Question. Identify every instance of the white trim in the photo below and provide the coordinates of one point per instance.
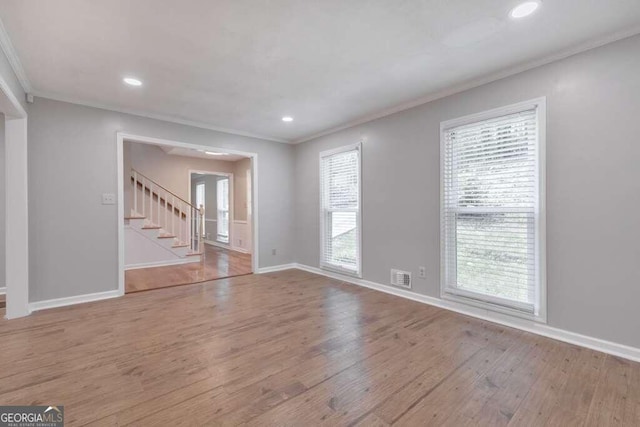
(227, 247)
(3, 290)
(17, 218)
(609, 347)
(218, 244)
(78, 299)
(346, 148)
(280, 267)
(540, 311)
(186, 260)
(14, 59)
(477, 82)
(239, 221)
(154, 116)
(241, 250)
(122, 136)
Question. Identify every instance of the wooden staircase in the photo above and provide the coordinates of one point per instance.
(165, 219)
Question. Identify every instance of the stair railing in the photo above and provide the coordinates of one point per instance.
(167, 210)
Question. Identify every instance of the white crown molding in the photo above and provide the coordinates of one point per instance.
(154, 116)
(592, 44)
(619, 350)
(78, 299)
(14, 60)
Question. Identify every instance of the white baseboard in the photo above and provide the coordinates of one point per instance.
(78, 299)
(225, 246)
(615, 349)
(185, 260)
(241, 250)
(3, 290)
(218, 244)
(278, 268)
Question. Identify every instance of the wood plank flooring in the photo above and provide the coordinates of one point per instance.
(296, 349)
(216, 264)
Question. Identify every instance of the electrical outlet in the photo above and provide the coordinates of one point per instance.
(108, 199)
(422, 272)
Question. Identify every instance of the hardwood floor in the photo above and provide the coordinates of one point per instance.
(293, 348)
(217, 263)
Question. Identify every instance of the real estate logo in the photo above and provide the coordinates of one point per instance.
(31, 416)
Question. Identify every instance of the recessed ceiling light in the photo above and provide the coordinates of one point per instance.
(524, 9)
(132, 82)
(287, 119)
(213, 153)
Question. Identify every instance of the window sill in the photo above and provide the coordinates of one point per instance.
(339, 270)
(491, 307)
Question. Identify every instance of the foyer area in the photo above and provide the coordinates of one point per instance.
(217, 263)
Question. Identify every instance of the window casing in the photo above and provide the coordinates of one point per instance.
(340, 210)
(493, 211)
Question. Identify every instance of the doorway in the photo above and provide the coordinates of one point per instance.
(219, 242)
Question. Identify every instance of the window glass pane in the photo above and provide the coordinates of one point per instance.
(222, 199)
(343, 238)
(200, 195)
(494, 254)
(342, 179)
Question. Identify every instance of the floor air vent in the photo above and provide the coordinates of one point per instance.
(401, 278)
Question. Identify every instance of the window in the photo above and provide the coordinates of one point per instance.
(493, 209)
(340, 210)
(200, 188)
(222, 199)
(200, 195)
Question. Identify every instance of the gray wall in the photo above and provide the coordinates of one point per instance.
(593, 187)
(240, 201)
(72, 161)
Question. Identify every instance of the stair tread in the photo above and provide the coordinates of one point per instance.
(151, 227)
(186, 245)
(194, 253)
(135, 217)
(166, 236)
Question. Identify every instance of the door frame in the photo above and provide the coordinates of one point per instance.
(16, 241)
(230, 176)
(122, 136)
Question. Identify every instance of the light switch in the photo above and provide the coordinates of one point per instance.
(108, 199)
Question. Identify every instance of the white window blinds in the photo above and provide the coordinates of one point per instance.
(491, 211)
(340, 210)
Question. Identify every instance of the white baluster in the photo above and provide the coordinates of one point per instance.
(144, 194)
(173, 215)
(159, 209)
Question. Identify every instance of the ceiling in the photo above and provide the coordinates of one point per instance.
(244, 64)
(187, 152)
